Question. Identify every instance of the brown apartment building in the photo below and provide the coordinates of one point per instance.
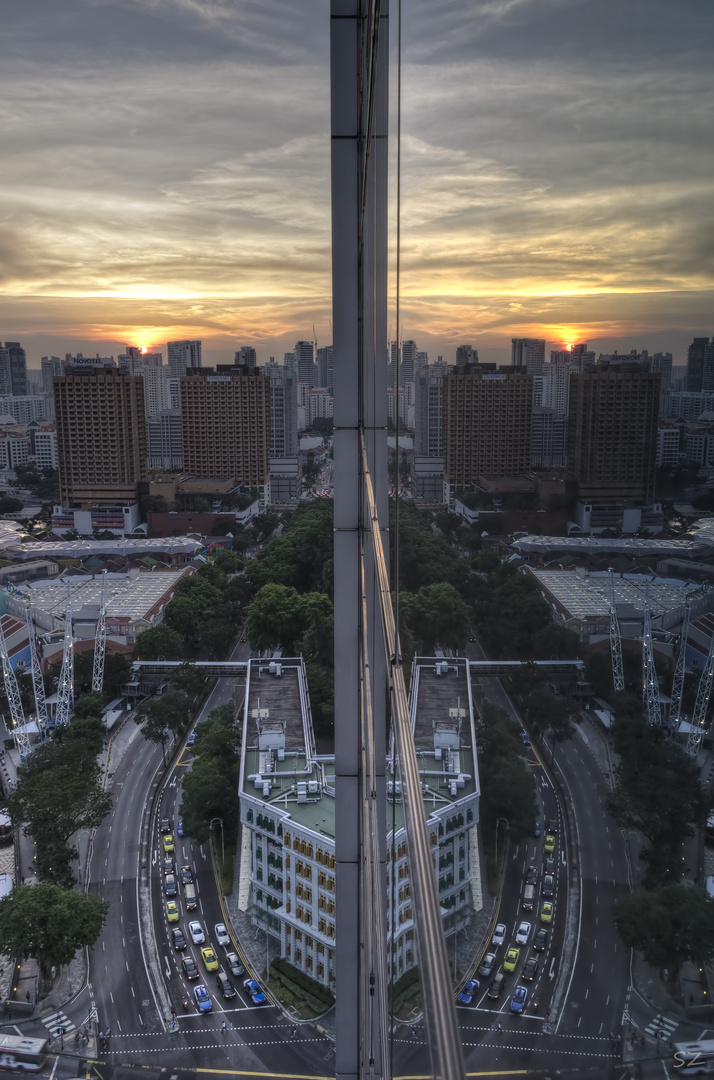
(101, 437)
(225, 420)
(487, 423)
(612, 433)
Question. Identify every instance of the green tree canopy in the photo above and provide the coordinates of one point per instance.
(117, 668)
(275, 617)
(49, 923)
(230, 562)
(90, 704)
(209, 788)
(507, 787)
(436, 617)
(669, 925)
(8, 505)
(163, 717)
(158, 643)
(302, 555)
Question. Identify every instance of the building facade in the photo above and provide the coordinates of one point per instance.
(429, 410)
(182, 355)
(528, 353)
(101, 437)
(13, 369)
(164, 440)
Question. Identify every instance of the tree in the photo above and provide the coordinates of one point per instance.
(163, 717)
(436, 617)
(507, 787)
(90, 705)
(117, 667)
(158, 643)
(154, 504)
(275, 617)
(209, 788)
(669, 925)
(230, 562)
(317, 639)
(8, 505)
(556, 642)
(49, 923)
(302, 555)
(219, 635)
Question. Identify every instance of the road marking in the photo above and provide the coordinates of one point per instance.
(132, 991)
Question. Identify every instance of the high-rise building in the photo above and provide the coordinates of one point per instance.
(408, 365)
(24, 409)
(578, 356)
(183, 355)
(246, 356)
(465, 355)
(283, 410)
(225, 417)
(549, 439)
(13, 369)
(325, 362)
(528, 353)
(164, 445)
(695, 364)
(305, 361)
(101, 437)
(428, 410)
(50, 366)
(612, 433)
(662, 363)
(487, 424)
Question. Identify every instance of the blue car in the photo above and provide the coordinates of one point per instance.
(467, 994)
(254, 991)
(526, 740)
(203, 998)
(537, 829)
(191, 739)
(179, 827)
(518, 1001)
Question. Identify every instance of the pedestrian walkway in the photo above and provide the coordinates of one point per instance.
(662, 1025)
(58, 1023)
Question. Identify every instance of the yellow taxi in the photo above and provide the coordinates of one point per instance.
(209, 958)
(172, 911)
(168, 843)
(549, 844)
(512, 957)
(546, 911)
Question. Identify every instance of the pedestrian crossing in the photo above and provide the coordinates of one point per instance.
(663, 1025)
(56, 1021)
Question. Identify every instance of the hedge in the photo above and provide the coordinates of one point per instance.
(312, 986)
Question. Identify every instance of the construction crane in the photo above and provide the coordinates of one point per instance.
(314, 334)
(699, 716)
(38, 684)
(650, 687)
(100, 640)
(12, 691)
(65, 690)
(618, 678)
(675, 708)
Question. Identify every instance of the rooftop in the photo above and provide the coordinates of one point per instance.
(587, 595)
(131, 596)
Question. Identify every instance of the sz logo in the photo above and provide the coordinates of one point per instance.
(681, 1060)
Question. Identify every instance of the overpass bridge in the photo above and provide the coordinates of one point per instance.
(232, 668)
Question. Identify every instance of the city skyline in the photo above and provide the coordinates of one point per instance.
(170, 175)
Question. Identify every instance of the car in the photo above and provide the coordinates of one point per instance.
(221, 934)
(177, 939)
(172, 911)
(168, 843)
(191, 739)
(225, 985)
(548, 885)
(499, 934)
(531, 875)
(496, 988)
(512, 957)
(546, 912)
(530, 968)
(189, 967)
(467, 994)
(179, 827)
(526, 740)
(536, 831)
(549, 865)
(540, 941)
(203, 998)
(165, 825)
(523, 933)
(196, 932)
(170, 884)
(168, 865)
(518, 1001)
(233, 963)
(209, 958)
(253, 990)
(552, 825)
(186, 875)
(549, 844)
(487, 965)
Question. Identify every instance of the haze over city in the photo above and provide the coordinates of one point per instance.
(167, 175)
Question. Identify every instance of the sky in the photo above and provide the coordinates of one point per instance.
(165, 174)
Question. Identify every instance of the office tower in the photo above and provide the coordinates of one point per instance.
(487, 424)
(101, 437)
(558, 389)
(612, 433)
(707, 367)
(408, 366)
(325, 363)
(528, 353)
(305, 361)
(225, 422)
(164, 442)
(283, 410)
(394, 352)
(13, 369)
(34, 382)
(50, 366)
(183, 355)
(465, 354)
(578, 356)
(247, 357)
(289, 361)
(422, 359)
(160, 389)
(695, 364)
(549, 439)
(428, 410)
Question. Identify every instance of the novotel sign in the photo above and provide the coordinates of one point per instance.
(218, 378)
(494, 378)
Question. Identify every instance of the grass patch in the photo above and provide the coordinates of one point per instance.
(293, 987)
(406, 994)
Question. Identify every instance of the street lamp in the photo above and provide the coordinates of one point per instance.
(220, 822)
(498, 822)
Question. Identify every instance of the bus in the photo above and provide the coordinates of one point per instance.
(18, 1054)
(694, 1058)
